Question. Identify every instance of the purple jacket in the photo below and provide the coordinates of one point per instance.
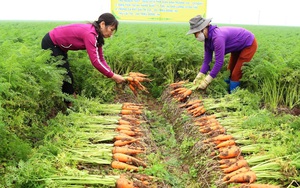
(223, 40)
(81, 37)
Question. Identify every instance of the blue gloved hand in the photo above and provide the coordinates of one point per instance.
(233, 85)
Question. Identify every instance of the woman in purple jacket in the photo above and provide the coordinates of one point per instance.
(89, 37)
(240, 42)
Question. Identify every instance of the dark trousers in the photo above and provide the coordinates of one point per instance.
(47, 43)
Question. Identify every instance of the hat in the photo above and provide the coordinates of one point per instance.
(197, 24)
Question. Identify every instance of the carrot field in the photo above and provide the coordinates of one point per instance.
(155, 130)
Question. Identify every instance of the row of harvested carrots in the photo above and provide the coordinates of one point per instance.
(128, 144)
(232, 163)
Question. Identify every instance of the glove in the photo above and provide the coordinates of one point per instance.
(204, 83)
(199, 76)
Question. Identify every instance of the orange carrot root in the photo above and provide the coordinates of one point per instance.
(123, 166)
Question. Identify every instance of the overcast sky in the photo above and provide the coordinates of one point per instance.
(250, 12)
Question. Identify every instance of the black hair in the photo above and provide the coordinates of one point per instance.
(109, 20)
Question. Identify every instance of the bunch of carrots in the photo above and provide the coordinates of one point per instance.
(231, 162)
(181, 90)
(134, 80)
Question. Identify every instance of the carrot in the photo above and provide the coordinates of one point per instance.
(123, 182)
(209, 128)
(123, 166)
(190, 103)
(199, 113)
(225, 143)
(142, 79)
(194, 106)
(205, 122)
(133, 89)
(124, 142)
(123, 122)
(127, 112)
(231, 174)
(203, 118)
(230, 153)
(142, 177)
(126, 150)
(195, 110)
(256, 185)
(222, 137)
(137, 74)
(128, 127)
(128, 159)
(128, 132)
(217, 132)
(230, 161)
(245, 177)
(122, 137)
(127, 107)
(239, 164)
(184, 95)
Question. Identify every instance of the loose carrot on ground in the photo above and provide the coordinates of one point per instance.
(195, 110)
(178, 91)
(176, 85)
(126, 150)
(129, 132)
(205, 122)
(239, 171)
(123, 182)
(229, 153)
(245, 177)
(130, 112)
(123, 122)
(184, 95)
(122, 137)
(189, 103)
(256, 185)
(142, 177)
(123, 166)
(221, 137)
(239, 164)
(124, 142)
(128, 127)
(225, 143)
(128, 159)
(199, 113)
(203, 118)
(209, 128)
(230, 161)
(195, 105)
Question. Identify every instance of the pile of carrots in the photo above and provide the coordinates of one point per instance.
(180, 91)
(134, 80)
(229, 156)
(128, 144)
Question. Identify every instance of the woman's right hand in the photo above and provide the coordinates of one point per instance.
(118, 78)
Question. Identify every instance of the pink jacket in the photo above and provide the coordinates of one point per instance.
(81, 37)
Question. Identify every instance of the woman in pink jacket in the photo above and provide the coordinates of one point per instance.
(83, 36)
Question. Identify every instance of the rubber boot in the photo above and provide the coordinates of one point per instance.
(233, 85)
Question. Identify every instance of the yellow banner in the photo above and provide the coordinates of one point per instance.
(158, 10)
